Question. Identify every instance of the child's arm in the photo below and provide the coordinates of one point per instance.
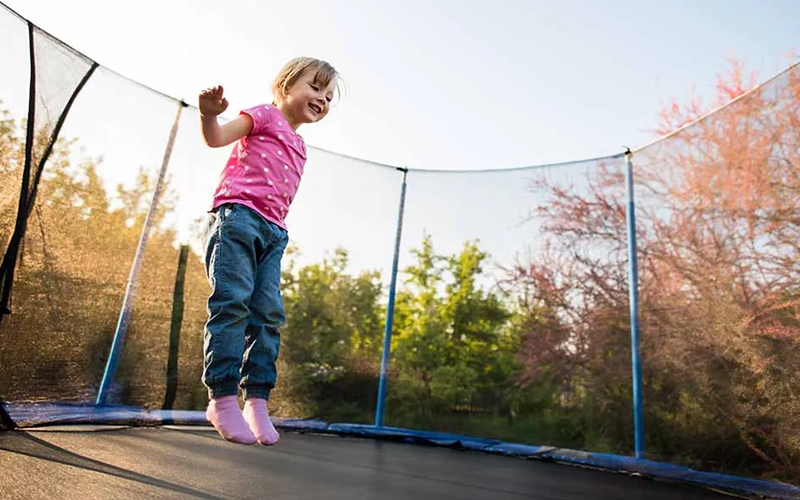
(211, 104)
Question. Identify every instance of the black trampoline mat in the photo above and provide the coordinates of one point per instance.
(79, 463)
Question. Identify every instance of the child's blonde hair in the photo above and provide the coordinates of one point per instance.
(289, 74)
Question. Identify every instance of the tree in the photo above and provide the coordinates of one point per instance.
(72, 270)
(717, 230)
(332, 340)
(452, 347)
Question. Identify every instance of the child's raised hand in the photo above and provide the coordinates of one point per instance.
(211, 101)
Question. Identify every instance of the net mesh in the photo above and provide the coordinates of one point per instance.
(512, 310)
(718, 225)
(490, 339)
(14, 37)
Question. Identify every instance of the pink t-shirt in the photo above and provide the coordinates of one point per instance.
(265, 167)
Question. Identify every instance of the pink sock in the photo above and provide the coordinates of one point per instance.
(224, 414)
(257, 417)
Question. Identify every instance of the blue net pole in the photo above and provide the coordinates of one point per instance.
(130, 291)
(633, 291)
(387, 334)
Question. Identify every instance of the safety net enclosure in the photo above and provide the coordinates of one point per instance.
(486, 309)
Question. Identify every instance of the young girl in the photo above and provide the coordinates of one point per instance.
(245, 237)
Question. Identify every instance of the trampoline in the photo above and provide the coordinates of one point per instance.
(77, 462)
(100, 364)
(81, 451)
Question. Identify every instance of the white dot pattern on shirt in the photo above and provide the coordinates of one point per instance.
(291, 144)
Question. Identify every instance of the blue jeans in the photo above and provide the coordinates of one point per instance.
(241, 339)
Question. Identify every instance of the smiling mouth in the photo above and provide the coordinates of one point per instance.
(316, 109)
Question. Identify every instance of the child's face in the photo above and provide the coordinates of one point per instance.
(308, 101)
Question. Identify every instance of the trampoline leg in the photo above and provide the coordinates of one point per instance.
(387, 334)
(133, 279)
(633, 291)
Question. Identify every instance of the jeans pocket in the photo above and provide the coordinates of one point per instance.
(208, 227)
(277, 235)
(227, 212)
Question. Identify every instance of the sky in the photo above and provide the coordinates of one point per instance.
(444, 83)
(436, 84)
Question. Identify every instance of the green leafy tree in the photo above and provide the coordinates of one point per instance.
(453, 346)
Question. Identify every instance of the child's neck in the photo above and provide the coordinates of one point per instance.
(295, 124)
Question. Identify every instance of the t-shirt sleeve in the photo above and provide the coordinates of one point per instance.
(261, 117)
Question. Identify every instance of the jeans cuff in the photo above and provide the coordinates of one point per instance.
(225, 388)
(256, 392)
